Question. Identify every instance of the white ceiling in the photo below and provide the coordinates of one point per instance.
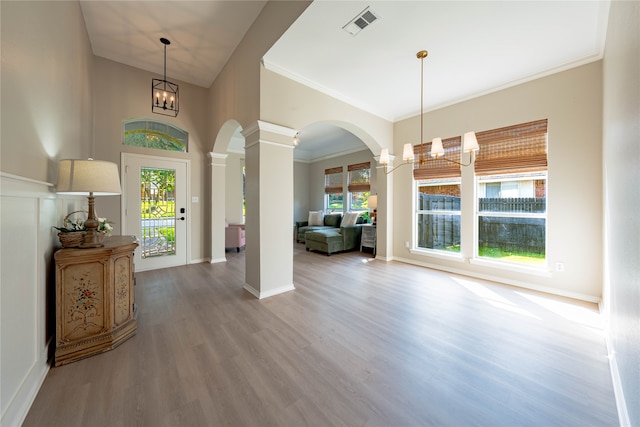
(203, 34)
(475, 47)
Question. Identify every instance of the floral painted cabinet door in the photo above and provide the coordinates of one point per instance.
(95, 299)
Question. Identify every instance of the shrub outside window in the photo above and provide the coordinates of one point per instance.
(359, 186)
(438, 215)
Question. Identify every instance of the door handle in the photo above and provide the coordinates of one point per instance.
(181, 218)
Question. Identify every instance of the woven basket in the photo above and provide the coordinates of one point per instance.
(71, 239)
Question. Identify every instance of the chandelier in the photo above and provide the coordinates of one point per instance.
(164, 94)
(469, 144)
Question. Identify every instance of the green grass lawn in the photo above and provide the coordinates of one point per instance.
(529, 258)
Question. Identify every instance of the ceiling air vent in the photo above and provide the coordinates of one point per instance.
(360, 22)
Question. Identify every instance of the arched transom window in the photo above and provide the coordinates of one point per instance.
(155, 134)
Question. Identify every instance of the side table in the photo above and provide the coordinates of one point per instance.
(369, 237)
(95, 299)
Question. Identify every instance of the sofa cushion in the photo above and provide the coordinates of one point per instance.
(316, 218)
(332, 220)
(350, 219)
(327, 240)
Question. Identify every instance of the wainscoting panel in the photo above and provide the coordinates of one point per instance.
(28, 211)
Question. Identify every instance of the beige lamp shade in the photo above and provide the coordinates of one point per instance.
(86, 176)
(436, 148)
(373, 202)
(384, 156)
(470, 142)
(407, 153)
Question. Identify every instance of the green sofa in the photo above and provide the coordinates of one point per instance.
(332, 240)
(332, 236)
(331, 221)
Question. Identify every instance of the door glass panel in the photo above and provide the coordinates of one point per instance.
(157, 212)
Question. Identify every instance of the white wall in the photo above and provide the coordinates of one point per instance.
(47, 115)
(292, 104)
(47, 87)
(572, 102)
(300, 191)
(621, 175)
(233, 188)
(123, 92)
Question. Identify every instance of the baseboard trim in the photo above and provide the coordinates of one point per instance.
(217, 260)
(18, 408)
(618, 391)
(261, 295)
(498, 279)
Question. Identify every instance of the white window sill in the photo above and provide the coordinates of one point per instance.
(534, 271)
(449, 256)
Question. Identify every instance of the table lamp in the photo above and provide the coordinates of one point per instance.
(373, 206)
(91, 178)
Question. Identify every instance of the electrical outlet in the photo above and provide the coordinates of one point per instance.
(559, 266)
(406, 244)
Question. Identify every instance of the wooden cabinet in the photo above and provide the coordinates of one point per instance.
(369, 238)
(95, 299)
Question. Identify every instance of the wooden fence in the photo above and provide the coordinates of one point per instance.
(438, 231)
(512, 204)
(511, 234)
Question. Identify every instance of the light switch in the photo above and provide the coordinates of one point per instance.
(194, 199)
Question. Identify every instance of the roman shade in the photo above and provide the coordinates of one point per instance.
(427, 167)
(513, 149)
(359, 177)
(333, 180)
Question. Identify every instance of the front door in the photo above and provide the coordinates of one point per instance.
(155, 209)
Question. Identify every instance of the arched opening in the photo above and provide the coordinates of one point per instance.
(227, 185)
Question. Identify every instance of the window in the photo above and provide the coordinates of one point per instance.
(437, 204)
(333, 190)
(359, 186)
(511, 178)
(155, 134)
(438, 214)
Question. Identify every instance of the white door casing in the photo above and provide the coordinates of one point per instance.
(147, 231)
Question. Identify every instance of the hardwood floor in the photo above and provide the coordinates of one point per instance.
(358, 343)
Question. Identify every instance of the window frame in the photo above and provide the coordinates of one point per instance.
(508, 177)
(364, 186)
(334, 188)
(416, 212)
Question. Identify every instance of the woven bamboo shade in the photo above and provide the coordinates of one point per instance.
(333, 180)
(359, 177)
(427, 167)
(513, 149)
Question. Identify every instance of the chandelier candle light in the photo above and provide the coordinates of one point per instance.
(164, 94)
(469, 145)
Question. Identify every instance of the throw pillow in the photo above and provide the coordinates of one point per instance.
(316, 218)
(350, 219)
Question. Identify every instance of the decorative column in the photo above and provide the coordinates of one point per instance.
(218, 184)
(384, 222)
(269, 215)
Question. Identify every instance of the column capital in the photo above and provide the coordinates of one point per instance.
(217, 159)
(266, 132)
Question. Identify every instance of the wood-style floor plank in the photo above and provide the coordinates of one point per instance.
(360, 342)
